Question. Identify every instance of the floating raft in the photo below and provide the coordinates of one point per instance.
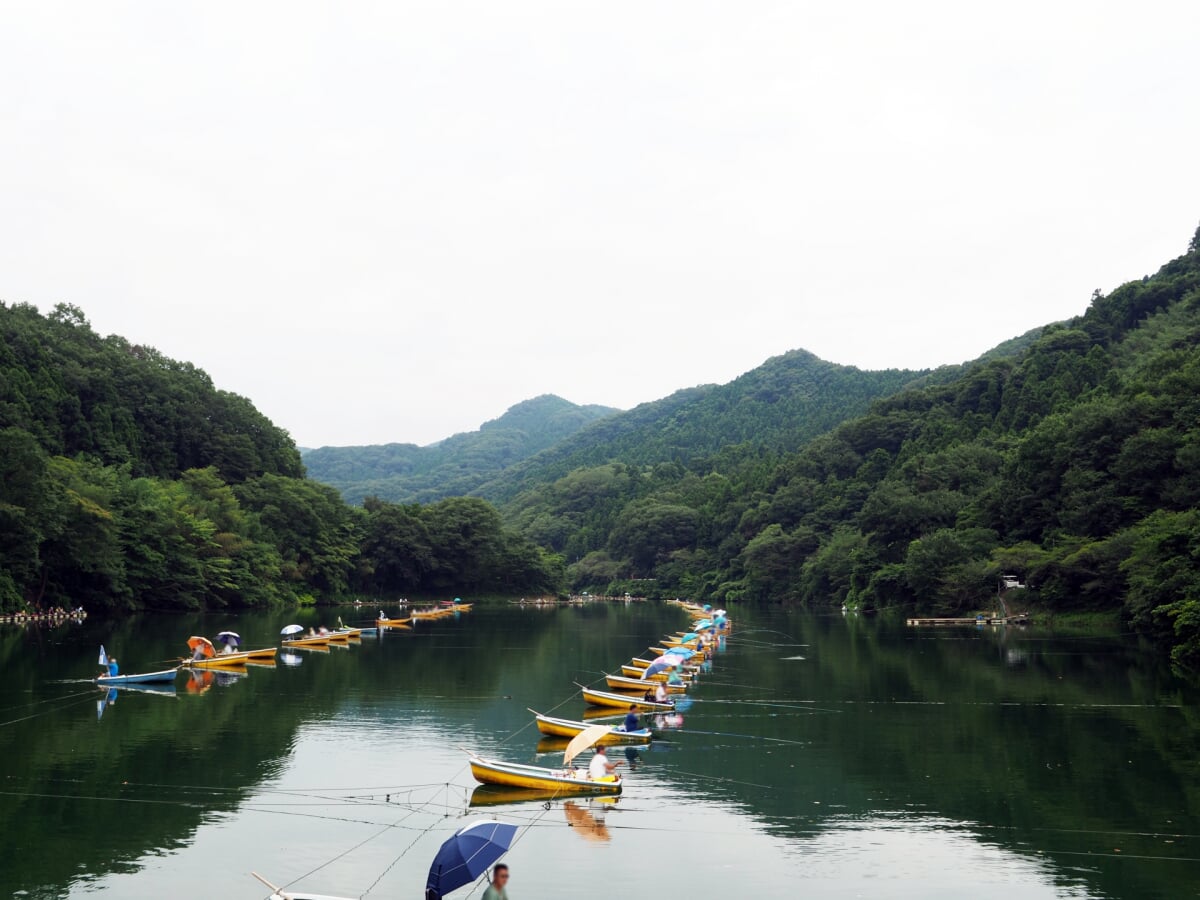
(970, 620)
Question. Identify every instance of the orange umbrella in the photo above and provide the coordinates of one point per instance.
(209, 651)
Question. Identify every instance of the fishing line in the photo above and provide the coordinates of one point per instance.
(365, 840)
(754, 737)
(396, 860)
(54, 699)
(55, 709)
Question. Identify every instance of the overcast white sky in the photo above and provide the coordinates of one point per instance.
(391, 221)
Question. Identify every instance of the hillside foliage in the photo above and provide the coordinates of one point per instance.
(1071, 459)
(128, 481)
(406, 473)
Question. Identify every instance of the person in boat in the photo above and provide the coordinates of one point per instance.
(498, 889)
(660, 693)
(312, 632)
(113, 669)
(227, 649)
(600, 767)
(649, 695)
(631, 719)
(198, 653)
(673, 678)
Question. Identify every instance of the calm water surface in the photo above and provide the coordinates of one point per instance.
(822, 757)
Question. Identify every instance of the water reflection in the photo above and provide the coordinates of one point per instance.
(885, 761)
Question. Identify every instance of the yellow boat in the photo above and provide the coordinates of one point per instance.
(560, 781)
(231, 660)
(337, 637)
(394, 623)
(624, 701)
(350, 633)
(636, 672)
(569, 728)
(621, 683)
(321, 640)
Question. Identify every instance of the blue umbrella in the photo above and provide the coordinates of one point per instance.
(690, 636)
(466, 855)
(683, 652)
(663, 662)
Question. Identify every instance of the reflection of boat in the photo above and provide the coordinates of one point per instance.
(198, 682)
(310, 648)
(568, 728)
(261, 663)
(621, 683)
(494, 794)
(291, 658)
(623, 701)
(224, 660)
(321, 640)
(584, 823)
(593, 713)
(563, 781)
(163, 690)
(165, 676)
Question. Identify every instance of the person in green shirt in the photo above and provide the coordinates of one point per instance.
(498, 889)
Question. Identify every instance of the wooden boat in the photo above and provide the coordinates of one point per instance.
(561, 781)
(637, 672)
(687, 669)
(321, 640)
(338, 637)
(659, 651)
(166, 675)
(394, 623)
(230, 660)
(624, 701)
(621, 683)
(351, 633)
(428, 615)
(670, 642)
(568, 728)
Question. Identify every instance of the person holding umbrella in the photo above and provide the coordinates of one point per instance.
(498, 889)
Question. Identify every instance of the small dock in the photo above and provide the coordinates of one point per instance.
(969, 620)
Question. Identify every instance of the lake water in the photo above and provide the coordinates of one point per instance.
(822, 757)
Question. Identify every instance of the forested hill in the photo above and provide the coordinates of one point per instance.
(76, 393)
(786, 401)
(406, 473)
(127, 480)
(1074, 463)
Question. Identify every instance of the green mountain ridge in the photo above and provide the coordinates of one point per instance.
(1070, 457)
(455, 466)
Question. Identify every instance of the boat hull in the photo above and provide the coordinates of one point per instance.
(621, 683)
(624, 701)
(490, 771)
(230, 660)
(568, 728)
(319, 641)
(163, 677)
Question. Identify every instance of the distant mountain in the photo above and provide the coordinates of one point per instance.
(456, 466)
(777, 406)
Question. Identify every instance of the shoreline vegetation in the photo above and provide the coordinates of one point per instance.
(1068, 457)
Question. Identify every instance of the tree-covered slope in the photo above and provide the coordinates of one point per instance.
(127, 481)
(121, 403)
(456, 466)
(1074, 464)
(786, 401)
